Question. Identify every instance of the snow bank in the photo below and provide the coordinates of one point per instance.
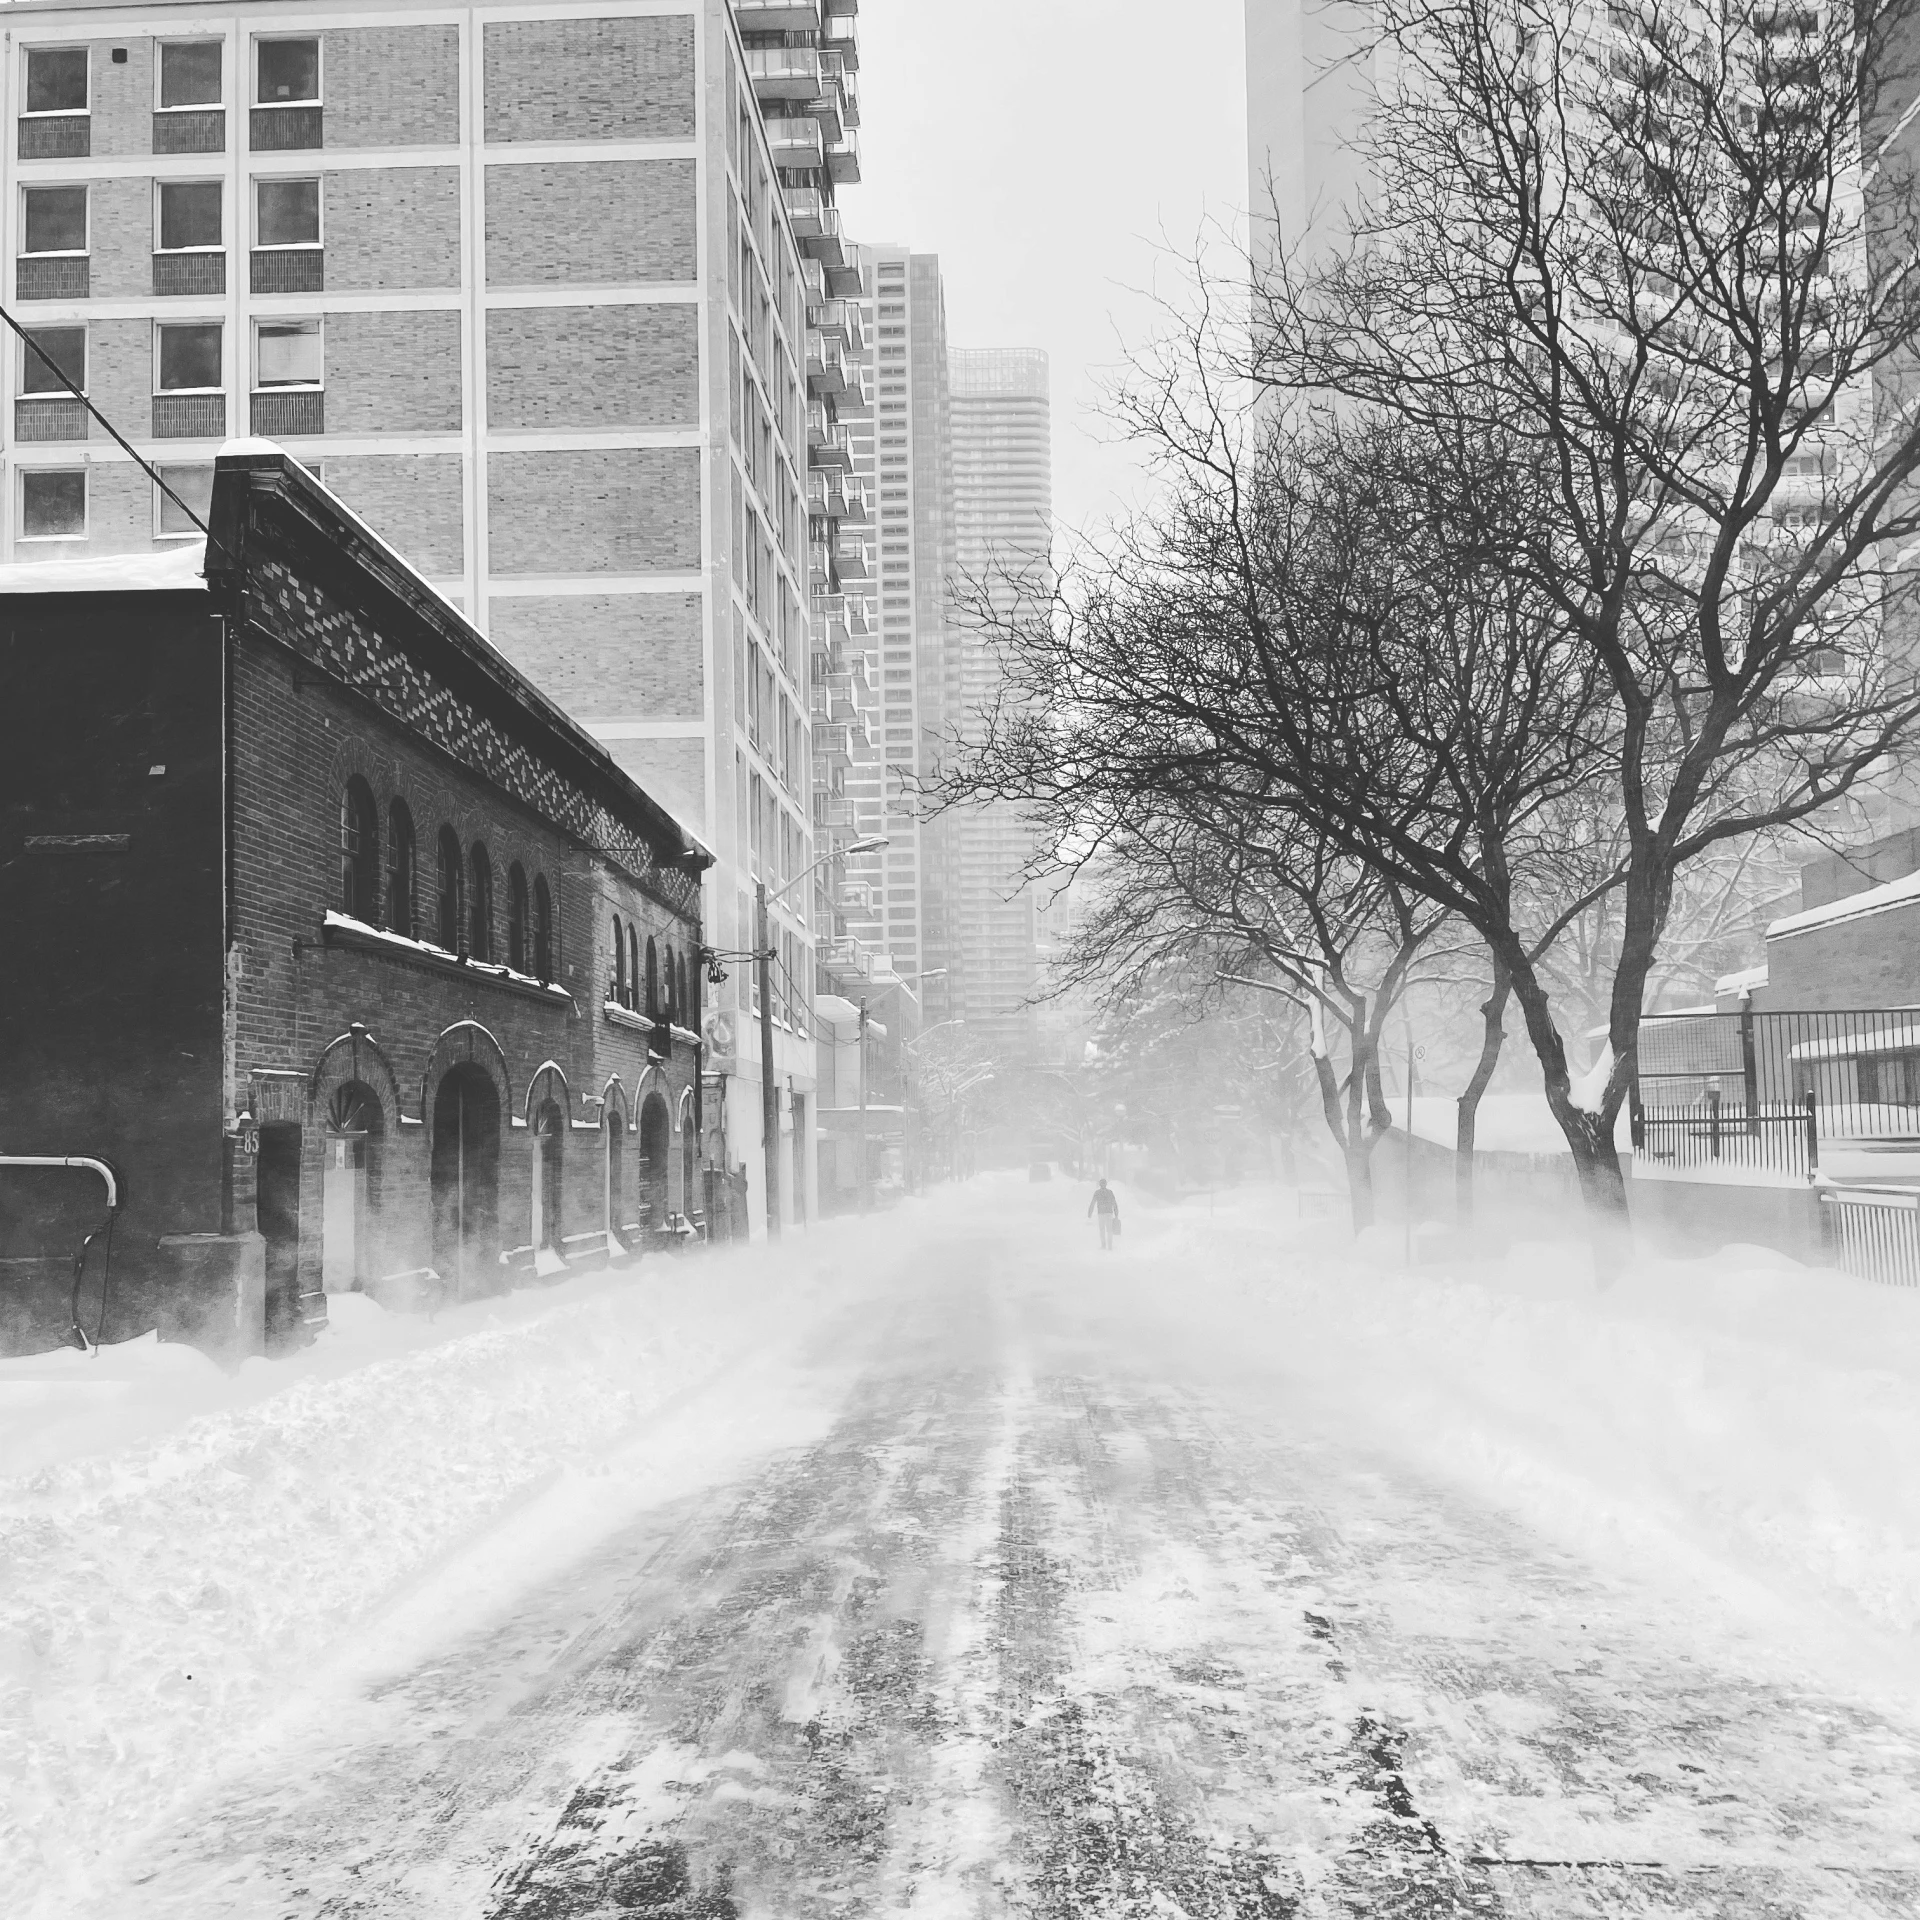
(1744, 1406)
(180, 1546)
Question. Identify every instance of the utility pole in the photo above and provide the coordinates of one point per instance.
(769, 1093)
(866, 1174)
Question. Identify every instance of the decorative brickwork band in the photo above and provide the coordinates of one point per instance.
(289, 269)
(67, 136)
(175, 273)
(198, 132)
(286, 416)
(189, 416)
(283, 129)
(59, 277)
(355, 652)
(49, 420)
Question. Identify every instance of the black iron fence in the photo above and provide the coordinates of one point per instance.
(1874, 1232)
(1766, 1092)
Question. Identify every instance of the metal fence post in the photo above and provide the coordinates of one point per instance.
(1749, 1067)
(1813, 1137)
(1713, 1121)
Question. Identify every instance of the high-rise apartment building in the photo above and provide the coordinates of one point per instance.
(1308, 75)
(548, 298)
(1000, 437)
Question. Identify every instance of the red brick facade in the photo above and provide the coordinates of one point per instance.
(383, 1100)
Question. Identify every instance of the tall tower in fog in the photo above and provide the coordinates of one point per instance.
(980, 919)
(1308, 82)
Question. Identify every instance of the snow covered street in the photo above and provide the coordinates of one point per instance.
(1235, 1574)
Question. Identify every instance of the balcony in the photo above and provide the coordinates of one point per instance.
(833, 745)
(813, 278)
(842, 37)
(796, 141)
(843, 160)
(827, 245)
(857, 401)
(828, 116)
(777, 16)
(843, 279)
(853, 559)
(859, 507)
(826, 367)
(807, 209)
(839, 320)
(784, 73)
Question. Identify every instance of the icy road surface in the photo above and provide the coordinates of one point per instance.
(1031, 1592)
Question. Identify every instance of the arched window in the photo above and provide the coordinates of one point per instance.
(633, 968)
(400, 868)
(682, 998)
(542, 929)
(480, 904)
(359, 852)
(517, 917)
(668, 1005)
(653, 981)
(619, 963)
(447, 889)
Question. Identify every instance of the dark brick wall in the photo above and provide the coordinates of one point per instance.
(110, 984)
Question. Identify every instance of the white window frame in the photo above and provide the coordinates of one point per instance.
(215, 105)
(259, 40)
(64, 253)
(180, 253)
(290, 246)
(55, 46)
(283, 320)
(25, 355)
(162, 326)
(20, 504)
(161, 532)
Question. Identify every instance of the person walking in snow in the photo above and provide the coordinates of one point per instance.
(1105, 1208)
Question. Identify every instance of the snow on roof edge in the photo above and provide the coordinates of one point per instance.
(1856, 906)
(175, 570)
(1745, 981)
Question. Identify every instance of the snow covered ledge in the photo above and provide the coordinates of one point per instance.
(343, 931)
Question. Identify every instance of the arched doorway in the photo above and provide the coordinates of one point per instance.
(349, 1188)
(549, 1142)
(465, 1181)
(656, 1149)
(616, 1124)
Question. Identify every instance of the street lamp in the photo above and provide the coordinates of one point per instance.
(762, 956)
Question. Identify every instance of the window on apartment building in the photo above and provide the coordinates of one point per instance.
(194, 486)
(400, 865)
(286, 213)
(65, 348)
(619, 984)
(189, 216)
(287, 73)
(56, 80)
(653, 980)
(480, 904)
(53, 220)
(189, 74)
(633, 969)
(287, 353)
(53, 504)
(359, 852)
(448, 873)
(188, 356)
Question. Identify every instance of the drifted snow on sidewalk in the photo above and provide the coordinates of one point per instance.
(180, 1550)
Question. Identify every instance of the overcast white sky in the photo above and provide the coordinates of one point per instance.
(1042, 148)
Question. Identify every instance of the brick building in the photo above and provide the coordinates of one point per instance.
(545, 296)
(352, 959)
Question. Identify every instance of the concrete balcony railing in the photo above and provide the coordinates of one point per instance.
(784, 73)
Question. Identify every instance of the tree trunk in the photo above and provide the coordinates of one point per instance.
(1493, 1012)
(1589, 1136)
